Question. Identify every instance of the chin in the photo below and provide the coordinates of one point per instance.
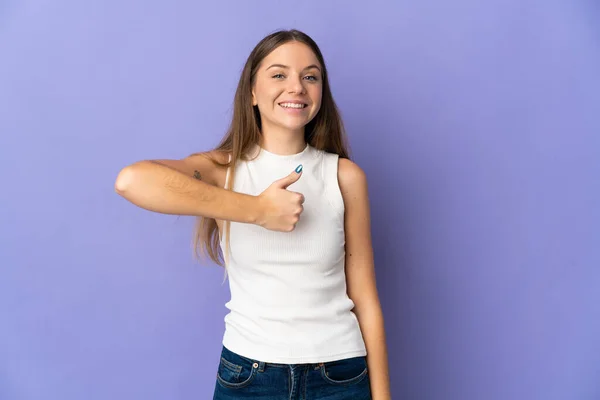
(293, 128)
(291, 124)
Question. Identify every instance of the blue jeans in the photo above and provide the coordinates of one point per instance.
(239, 377)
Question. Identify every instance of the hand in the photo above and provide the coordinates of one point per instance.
(280, 208)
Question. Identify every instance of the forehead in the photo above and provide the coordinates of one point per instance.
(295, 54)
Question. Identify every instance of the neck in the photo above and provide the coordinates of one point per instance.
(282, 141)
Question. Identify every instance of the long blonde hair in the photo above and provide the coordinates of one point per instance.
(324, 132)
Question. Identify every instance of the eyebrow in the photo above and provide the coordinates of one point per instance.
(287, 67)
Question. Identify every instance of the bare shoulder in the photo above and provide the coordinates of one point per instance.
(213, 164)
(352, 179)
(210, 166)
(215, 156)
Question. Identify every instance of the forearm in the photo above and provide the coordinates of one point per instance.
(161, 189)
(373, 331)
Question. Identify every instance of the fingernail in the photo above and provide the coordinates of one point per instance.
(299, 168)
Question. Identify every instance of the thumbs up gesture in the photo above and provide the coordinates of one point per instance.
(281, 208)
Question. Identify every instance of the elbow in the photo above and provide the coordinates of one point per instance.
(124, 180)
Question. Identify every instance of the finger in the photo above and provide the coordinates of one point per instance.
(291, 178)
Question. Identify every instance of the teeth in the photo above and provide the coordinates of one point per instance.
(291, 105)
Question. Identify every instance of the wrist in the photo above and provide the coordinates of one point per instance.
(255, 211)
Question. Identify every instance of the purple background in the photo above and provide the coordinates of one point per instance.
(476, 122)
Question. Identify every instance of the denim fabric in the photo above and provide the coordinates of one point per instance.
(239, 377)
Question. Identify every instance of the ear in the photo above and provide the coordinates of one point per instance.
(254, 102)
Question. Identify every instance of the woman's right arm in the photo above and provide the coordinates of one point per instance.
(194, 186)
(185, 187)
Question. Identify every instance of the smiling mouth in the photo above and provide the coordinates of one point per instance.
(293, 105)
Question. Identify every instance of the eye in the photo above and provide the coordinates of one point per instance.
(311, 78)
(278, 76)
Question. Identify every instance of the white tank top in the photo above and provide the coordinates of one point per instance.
(288, 289)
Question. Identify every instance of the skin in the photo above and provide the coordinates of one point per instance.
(360, 274)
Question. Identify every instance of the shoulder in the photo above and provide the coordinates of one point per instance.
(348, 172)
(355, 195)
(352, 179)
(211, 166)
(214, 156)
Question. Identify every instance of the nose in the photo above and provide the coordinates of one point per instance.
(296, 85)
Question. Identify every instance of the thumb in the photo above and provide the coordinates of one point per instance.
(291, 178)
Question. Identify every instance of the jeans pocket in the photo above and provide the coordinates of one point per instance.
(345, 372)
(235, 371)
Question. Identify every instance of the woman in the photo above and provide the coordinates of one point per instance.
(286, 212)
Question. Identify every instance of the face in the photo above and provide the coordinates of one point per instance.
(288, 87)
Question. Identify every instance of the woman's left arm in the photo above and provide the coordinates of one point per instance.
(360, 275)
